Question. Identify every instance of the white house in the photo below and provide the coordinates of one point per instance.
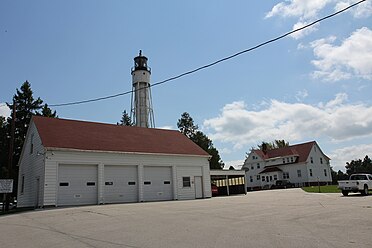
(302, 164)
(69, 162)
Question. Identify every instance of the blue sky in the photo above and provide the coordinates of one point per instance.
(315, 85)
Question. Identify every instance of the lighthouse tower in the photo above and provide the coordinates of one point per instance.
(141, 111)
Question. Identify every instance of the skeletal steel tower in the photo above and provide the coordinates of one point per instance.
(141, 110)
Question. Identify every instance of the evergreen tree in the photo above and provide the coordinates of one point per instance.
(186, 125)
(189, 129)
(47, 112)
(359, 166)
(25, 107)
(125, 120)
(273, 145)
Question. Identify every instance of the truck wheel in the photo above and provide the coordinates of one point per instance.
(365, 190)
(345, 192)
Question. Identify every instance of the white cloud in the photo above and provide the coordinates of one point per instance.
(237, 164)
(302, 33)
(335, 120)
(4, 110)
(166, 127)
(302, 94)
(361, 11)
(352, 58)
(305, 9)
(341, 156)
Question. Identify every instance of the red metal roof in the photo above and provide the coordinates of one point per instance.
(83, 135)
(302, 151)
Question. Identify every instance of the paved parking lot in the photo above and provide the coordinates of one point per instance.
(277, 218)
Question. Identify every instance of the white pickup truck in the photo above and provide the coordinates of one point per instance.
(356, 183)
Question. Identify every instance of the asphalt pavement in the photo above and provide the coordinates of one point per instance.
(275, 218)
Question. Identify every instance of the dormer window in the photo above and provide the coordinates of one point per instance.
(311, 160)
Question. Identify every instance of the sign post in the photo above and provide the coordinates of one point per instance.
(6, 186)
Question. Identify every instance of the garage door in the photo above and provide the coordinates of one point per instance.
(121, 184)
(157, 183)
(77, 185)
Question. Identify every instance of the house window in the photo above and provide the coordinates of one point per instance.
(275, 177)
(186, 182)
(251, 179)
(311, 172)
(325, 172)
(271, 178)
(32, 144)
(263, 179)
(252, 167)
(258, 165)
(23, 184)
(287, 160)
(283, 160)
(285, 175)
(321, 160)
(311, 160)
(291, 159)
(258, 177)
(299, 173)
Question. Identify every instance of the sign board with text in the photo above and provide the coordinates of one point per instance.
(6, 185)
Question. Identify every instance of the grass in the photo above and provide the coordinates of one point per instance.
(323, 189)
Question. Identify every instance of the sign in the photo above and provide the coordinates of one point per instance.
(6, 185)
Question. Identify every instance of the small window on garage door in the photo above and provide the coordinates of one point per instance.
(186, 182)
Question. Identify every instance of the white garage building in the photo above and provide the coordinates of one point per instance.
(69, 162)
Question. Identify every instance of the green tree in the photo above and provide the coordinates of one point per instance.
(359, 166)
(125, 120)
(186, 125)
(47, 112)
(25, 107)
(273, 145)
(189, 129)
(337, 176)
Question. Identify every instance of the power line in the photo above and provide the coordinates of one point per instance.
(215, 62)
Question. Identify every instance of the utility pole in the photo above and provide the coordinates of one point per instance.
(11, 153)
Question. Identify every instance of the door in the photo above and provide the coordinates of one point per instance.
(77, 185)
(121, 184)
(198, 182)
(157, 183)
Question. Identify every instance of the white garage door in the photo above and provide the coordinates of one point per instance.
(77, 185)
(121, 184)
(157, 183)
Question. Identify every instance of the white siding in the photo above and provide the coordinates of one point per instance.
(160, 185)
(120, 184)
(32, 168)
(140, 160)
(317, 167)
(77, 184)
